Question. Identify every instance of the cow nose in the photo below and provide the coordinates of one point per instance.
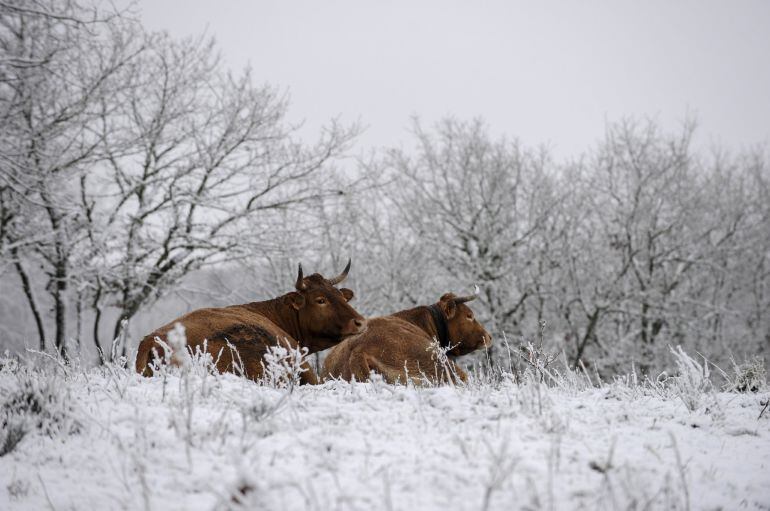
(360, 325)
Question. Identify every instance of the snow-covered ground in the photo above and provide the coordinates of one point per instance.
(109, 439)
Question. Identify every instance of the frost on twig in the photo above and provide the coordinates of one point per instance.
(444, 369)
(750, 376)
(283, 366)
(693, 379)
(37, 403)
(177, 340)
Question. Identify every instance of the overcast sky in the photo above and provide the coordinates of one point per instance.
(545, 72)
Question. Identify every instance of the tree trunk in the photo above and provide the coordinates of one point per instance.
(97, 320)
(79, 323)
(117, 332)
(27, 287)
(130, 307)
(60, 307)
(646, 349)
(592, 320)
(59, 280)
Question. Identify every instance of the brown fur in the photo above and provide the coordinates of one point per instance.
(399, 346)
(294, 319)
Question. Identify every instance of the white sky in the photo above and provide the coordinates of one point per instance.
(543, 71)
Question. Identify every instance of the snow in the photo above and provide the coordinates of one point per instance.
(203, 441)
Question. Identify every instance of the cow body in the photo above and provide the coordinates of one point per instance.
(316, 316)
(405, 346)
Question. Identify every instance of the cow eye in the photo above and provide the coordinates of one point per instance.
(470, 317)
(320, 301)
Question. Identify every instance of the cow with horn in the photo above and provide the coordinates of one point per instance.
(316, 316)
(417, 344)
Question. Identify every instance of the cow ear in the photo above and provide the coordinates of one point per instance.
(448, 305)
(347, 293)
(296, 300)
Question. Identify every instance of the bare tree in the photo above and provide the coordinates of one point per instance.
(730, 292)
(478, 205)
(202, 170)
(131, 160)
(59, 59)
(656, 237)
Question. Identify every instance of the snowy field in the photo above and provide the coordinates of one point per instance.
(108, 439)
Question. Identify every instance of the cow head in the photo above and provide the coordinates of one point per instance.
(325, 317)
(465, 333)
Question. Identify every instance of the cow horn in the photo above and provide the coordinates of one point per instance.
(300, 285)
(463, 299)
(339, 278)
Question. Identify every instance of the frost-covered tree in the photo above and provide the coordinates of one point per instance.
(478, 205)
(655, 251)
(730, 296)
(58, 61)
(395, 269)
(204, 171)
(131, 159)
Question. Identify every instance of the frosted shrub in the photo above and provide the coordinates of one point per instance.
(750, 376)
(13, 431)
(193, 368)
(438, 353)
(177, 339)
(38, 403)
(534, 355)
(18, 489)
(692, 381)
(569, 379)
(283, 366)
(175, 351)
(202, 364)
(246, 492)
(536, 401)
(9, 364)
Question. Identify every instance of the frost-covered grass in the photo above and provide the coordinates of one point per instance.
(107, 438)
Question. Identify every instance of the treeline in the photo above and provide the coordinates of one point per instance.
(639, 244)
(129, 161)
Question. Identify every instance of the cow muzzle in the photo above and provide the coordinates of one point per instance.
(355, 327)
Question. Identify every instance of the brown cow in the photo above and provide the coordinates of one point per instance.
(402, 346)
(315, 316)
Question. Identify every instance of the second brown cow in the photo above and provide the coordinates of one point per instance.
(402, 346)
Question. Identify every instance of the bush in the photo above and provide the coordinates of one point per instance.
(693, 379)
(283, 366)
(750, 376)
(38, 403)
